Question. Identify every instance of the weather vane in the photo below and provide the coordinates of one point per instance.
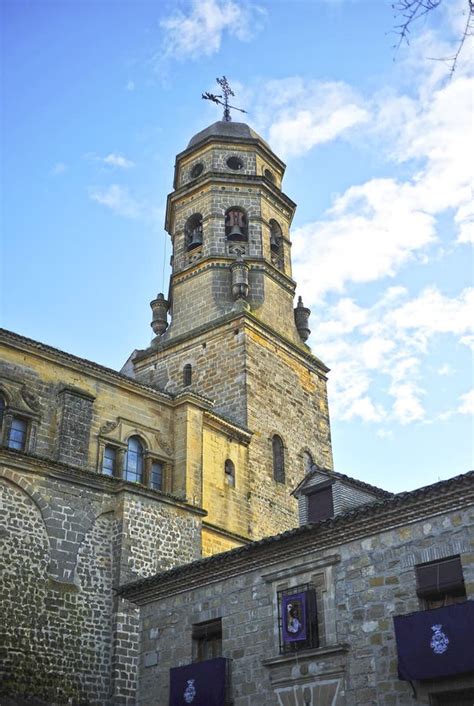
(227, 91)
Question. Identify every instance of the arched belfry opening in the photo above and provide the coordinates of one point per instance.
(236, 224)
(193, 231)
(276, 244)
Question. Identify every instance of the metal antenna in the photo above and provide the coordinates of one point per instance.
(227, 91)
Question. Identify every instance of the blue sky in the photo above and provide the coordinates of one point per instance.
(98, 98)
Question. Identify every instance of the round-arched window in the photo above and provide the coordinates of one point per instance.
(308, 462)
(278, 459)
(193, 231)
(235, 163)
(134, 460)
(187, 375)
(236, 224)
(229, 472)
(269, 175)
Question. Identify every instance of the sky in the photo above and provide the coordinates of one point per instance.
(100, 96)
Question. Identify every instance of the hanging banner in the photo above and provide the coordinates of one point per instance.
(435, 643)
(294, 616)
(199, 684)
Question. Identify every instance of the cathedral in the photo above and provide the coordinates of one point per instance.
(192, 449)
(175, 533)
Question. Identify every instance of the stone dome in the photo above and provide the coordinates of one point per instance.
(221, 128)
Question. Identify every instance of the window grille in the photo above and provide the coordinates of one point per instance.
(298, 602)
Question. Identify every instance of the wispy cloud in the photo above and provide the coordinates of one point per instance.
(113, 159)
(119, 200)
(59, 168)
(200, 32)
(122, 202)
(467, 403)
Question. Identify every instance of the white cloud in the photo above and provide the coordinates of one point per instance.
(299, 114)
(200, 32)
(377, 352)
(445, 370)
(118, 199)
(113, 159)
(117, 160)
(467, 403)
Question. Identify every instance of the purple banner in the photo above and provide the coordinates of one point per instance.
(199, 684)
(435, 643)
(294, 617)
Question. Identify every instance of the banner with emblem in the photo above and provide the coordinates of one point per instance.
(199, 684)
(435, 643)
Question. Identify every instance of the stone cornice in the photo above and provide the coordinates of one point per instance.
(240, 434)
(399, 511)
(225, 141)
(212, 262)
(39, 465)
(42, 350)
(247, 318)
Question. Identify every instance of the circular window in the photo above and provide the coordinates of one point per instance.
(269, 175)
(235, 163)
(197, 170)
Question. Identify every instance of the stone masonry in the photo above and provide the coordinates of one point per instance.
(362, 567)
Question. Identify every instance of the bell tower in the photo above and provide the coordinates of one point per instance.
(229, 329)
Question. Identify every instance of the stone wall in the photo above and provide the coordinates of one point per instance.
(67, 543)
(360, 586)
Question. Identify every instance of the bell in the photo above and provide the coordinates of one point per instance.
(194, 238)
(274, 242)
(236, 233)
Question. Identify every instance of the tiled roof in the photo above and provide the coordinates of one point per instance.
(348, 480)
(377, 510)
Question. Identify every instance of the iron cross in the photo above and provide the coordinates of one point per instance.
(226, 91)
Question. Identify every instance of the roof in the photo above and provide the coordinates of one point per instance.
(235, 131)
(363, 520)
(347, 480)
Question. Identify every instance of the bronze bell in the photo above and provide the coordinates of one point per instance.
(195, 238)
(274, 242)
(236, 233)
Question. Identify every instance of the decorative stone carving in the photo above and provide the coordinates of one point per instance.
(30, 399)
(301, 319)
(159, 307)
(109, 426)
(240, 279)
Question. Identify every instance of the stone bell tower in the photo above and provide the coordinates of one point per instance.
(229, 329)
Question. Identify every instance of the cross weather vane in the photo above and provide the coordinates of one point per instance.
(227, 91)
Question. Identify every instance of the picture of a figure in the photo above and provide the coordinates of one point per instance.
(293, 618)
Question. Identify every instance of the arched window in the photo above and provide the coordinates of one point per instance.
(134, 460)
(236, 224)
(187, 375)
(229, 471)
(278, 459)
(308, 462)
(193, 231)
(269, 175)
(275, 236)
